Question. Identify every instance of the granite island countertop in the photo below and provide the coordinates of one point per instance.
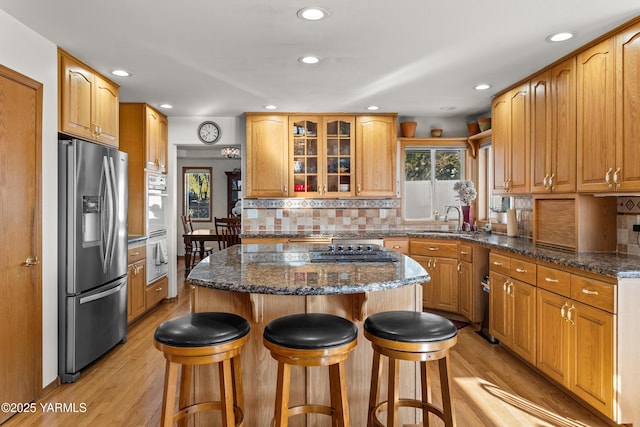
(611, 264)
(286, 269)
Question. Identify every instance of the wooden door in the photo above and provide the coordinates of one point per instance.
(376, 156)
(501, 123)
(592, 347)
(596, 117)
(563, 127)
(519, 144)
(499, 313)
(20, 237)
(523, 314)
(162, 141)
(427, 288)
(76, 98)
(552, 348)
(628, 109)
(136, 288)
(106, 111)
(465, 270)
(339, 156)
(267, 156)
(306, 155)
(540, 133)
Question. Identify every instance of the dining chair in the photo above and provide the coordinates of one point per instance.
(228, 231)
(194, 248)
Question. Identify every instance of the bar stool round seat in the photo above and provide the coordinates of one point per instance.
(311, 339)
(412, 336)
(201, 339)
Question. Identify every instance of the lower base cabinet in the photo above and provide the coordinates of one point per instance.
(140, 296)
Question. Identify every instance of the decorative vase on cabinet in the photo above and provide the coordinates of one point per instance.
(408, 129)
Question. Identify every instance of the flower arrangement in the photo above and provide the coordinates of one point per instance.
(466, 191)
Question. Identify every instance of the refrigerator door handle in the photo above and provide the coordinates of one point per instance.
(104, 294)
(107, 228)
(114, 209)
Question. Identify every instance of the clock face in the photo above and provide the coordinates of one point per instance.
(209, 132)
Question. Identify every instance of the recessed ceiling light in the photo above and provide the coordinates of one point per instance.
(121, 73)
(270, 107)
(167, 106)
(482, 86)
(309, 59)
(560, 37)
(448, 108)
(312, 13)
(373, 108)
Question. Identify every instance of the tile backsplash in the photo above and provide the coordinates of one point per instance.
(325, 216)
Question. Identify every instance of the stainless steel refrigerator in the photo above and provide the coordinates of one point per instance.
(92, 255)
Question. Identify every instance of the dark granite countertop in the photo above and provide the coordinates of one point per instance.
(611, 264)
(135, 238)
(285, 269)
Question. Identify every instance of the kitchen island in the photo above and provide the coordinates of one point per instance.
(264, 282)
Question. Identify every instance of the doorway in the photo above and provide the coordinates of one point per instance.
(20, 239)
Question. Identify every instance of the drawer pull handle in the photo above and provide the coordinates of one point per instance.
(549, 279)
(135, 253)
(464, 253)
(521, 270)
(563, 311)
(497, 263)
(569, 316)
(589, 292)
(431, 248)
(158, 289)
(396, 246)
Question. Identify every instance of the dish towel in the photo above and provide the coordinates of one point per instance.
(161, 253)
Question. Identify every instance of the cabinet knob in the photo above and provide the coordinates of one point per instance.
(31, 261)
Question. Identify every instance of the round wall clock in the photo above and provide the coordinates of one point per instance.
(209, 132)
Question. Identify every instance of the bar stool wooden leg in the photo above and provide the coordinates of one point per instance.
(169, 395)
(282, 395)
(236, 368)
(426, 391)
(376, 374)
(338, 386)
(186, 382)
(445, 381)
(393, 392)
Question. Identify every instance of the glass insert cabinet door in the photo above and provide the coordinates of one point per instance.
(321, 149)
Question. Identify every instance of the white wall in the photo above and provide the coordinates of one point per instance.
(28, 53)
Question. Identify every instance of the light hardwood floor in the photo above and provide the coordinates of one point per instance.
(124, 388)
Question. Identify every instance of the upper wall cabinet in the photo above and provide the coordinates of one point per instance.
(553, 129)
(145, 131)
(267, 160)
(88, 102)
(321, 149)
(628, 109)
(376, 140)
(596, 118)
(510, 140)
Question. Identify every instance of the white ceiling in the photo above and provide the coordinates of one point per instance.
(225, 57)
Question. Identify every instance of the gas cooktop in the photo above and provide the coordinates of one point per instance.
(351, 253)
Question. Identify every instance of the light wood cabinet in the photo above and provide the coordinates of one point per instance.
(397, 244)
(88, 102)
(376, 156)
(267, 155)
(440, 259)
(322, 150)
(156, 291)
(628, 109)
(512, 305)
(596, 118)
(576, 345)
(510, 141)
(145, 131)
(136, 283)
(553, 129)
(472, 267)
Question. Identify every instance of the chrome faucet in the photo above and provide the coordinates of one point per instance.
(446, 216)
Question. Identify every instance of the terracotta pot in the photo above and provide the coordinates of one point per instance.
(408, 129)
(484, 123)
(474, 128)
(436, 133)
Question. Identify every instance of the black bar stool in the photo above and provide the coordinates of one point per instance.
(200, 339)
(313, 339)
(413, 336)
